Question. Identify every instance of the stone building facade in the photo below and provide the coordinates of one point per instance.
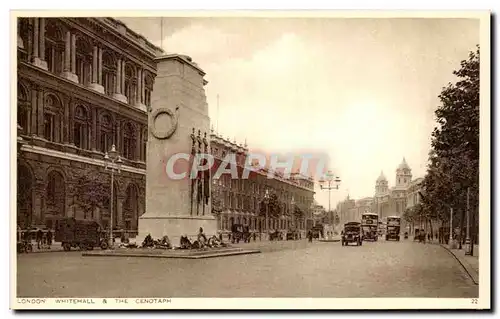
(239, 199)
(83, 85)
(392, 201)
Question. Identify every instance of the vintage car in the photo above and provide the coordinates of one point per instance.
(352, 233)
(84, 234)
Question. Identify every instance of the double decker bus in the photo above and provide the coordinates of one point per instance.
(393, 228)
(369, 224)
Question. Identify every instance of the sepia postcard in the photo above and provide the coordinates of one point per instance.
(250, 160)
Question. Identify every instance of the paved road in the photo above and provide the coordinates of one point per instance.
(284, 269)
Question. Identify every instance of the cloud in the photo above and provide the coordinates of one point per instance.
(362, 91)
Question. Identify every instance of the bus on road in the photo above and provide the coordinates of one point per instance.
(369, 224)
(393, 228)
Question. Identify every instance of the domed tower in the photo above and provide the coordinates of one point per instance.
(382, 185)
(403, 175)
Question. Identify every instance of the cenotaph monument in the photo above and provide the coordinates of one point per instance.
(178, 126)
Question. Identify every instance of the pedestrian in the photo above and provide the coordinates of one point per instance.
(39, 238)
(49, 239)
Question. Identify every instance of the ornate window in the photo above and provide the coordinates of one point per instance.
(148, 88)
(130, 88)
(52, 118)
(83, 61)
(129, 141)
(54, 46)
(108, 73)
(23, 108)
(144, 142)
(106, 138)
(81, 128)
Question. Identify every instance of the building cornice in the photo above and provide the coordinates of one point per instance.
(77, 158)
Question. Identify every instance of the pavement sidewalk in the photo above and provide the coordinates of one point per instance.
(470, 263)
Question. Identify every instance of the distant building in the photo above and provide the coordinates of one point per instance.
(386, 201)
(240, 199)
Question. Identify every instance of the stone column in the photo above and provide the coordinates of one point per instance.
(42, 41)
(138, 145)
(138, 97)
(71, 138)
(67, 122)
(93, 139)
(96, 70)
(99, 66)
(38, 57)
(67, 52)
(118, 83)
(118, 142)
(94, 64)
(118, 77)
(73, 53)
(69, 65)
(36, 29)
(34, 110)
(122, 74)
(40, 106)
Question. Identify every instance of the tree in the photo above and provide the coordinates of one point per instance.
(216, 204)
(298, 213)
(454, 157)
(91, 193)
(274, 206)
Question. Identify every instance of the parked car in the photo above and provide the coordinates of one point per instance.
(83, 234)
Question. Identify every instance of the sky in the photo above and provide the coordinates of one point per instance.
(362, 91)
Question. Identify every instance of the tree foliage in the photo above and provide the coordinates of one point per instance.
(216, 204)
(298, 213)
(91, 193)
(274, 206)
(454, 156)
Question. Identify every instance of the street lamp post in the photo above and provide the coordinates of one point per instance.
(266, 202)
(292, 204)
(113, 162)
(327, 184)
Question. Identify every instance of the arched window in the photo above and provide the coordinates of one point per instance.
(130, 88)
(130, 207)
(108, 73)
(148, 88)
(55, 199)
(23, 108)
(106, 138)
(52, 118)
(54, 46)
(83, 60)
(129, 141)
(81, 128)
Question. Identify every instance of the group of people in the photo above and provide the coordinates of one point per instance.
(43, 239)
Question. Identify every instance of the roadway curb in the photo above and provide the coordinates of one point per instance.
(473, 274)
